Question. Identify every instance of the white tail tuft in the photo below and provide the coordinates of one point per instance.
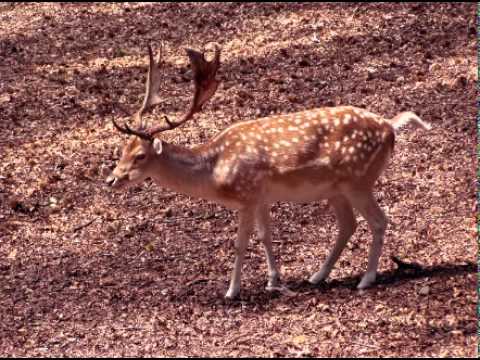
(405, 117)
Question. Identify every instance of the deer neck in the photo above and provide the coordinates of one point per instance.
(184, 170)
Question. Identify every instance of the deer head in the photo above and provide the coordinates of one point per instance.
(136, 160)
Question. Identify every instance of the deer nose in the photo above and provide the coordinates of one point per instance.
(111, 180)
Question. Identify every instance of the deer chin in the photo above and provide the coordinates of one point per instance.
(119, 183)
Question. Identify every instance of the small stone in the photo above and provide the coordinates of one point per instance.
(12, 255)
(434, 67)
(424, 290)
(460, 81)
(5, 99)
(168, 212)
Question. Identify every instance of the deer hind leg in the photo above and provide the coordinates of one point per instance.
(377, 221)
(245, 230)
(347, 225)
(265, 235)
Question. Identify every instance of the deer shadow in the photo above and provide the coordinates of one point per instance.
(390, 278)
(303, 290)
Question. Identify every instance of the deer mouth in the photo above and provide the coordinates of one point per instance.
(114, 182)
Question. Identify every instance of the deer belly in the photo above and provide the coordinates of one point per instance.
(302, 192)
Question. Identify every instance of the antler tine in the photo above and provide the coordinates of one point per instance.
(205, 86)
(204, 77)
(160, 53)
(152, 85)
(127, 130)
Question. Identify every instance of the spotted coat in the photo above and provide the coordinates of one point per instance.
(327, 143)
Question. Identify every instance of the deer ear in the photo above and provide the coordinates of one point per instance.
(157, 146)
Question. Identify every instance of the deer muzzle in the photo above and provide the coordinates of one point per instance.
(114, 181)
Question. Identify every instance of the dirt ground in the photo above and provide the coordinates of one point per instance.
(86, 271)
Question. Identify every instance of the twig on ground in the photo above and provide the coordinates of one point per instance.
(80, 227)
(238, 339)
(197, 281)
(365, 345)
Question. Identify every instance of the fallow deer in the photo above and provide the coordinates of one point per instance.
(332, 153)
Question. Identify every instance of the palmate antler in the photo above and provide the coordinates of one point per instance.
(205, 86)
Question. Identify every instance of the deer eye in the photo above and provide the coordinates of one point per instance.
(140, 157)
